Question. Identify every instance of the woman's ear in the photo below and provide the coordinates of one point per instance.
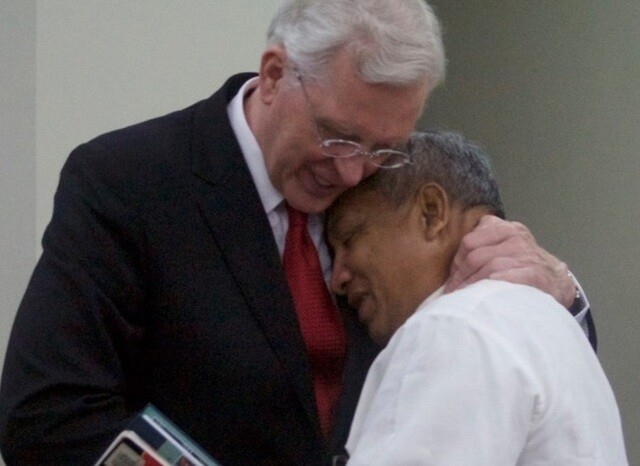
(433, 203)
(273, 66)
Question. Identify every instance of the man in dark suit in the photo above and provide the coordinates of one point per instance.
(161, 277)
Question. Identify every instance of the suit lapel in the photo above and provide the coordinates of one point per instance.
(230, 203)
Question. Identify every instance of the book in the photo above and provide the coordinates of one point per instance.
(152, 439)
(129, 449)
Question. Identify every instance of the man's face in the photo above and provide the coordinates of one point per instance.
(380, 262)
(375, 116)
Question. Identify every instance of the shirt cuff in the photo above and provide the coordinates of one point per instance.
(580, 306)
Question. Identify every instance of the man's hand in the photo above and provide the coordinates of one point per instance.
(503, 250)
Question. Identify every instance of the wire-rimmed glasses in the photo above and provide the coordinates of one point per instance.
(344, 148)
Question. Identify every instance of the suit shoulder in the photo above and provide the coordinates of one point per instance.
(149, 140)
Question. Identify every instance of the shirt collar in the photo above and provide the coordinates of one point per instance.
(435, 295)
(253, 156)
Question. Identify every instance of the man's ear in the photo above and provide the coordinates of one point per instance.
(273, 65)
(433, 203)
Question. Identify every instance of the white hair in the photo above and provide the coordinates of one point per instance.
(394, 42)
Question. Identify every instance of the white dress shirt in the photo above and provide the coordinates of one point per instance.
(493, 374)
(272, 200)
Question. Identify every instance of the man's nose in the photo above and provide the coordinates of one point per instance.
(340, 276)
(352, 170)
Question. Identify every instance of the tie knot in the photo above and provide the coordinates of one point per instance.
(296, 218)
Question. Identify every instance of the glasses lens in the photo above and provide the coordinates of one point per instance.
(339, 148)
(389, 158)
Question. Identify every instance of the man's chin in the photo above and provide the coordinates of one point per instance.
(309, 202)
(379, 336)
(307, 199)
(379, 339)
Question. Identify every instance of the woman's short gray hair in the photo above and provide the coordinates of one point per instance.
(460, 166)
(394, 42)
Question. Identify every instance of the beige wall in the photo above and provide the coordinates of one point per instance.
(103, 65)
(552, 89)
(17, 156)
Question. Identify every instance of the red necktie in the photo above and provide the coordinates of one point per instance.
(320, 324)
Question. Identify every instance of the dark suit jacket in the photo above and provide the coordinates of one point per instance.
(160, 282)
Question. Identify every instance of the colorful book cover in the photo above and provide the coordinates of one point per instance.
(128, 449)
(152, 439)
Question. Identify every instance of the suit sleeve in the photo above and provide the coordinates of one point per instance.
(68, 382)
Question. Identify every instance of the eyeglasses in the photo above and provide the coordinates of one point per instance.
(344, 148)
